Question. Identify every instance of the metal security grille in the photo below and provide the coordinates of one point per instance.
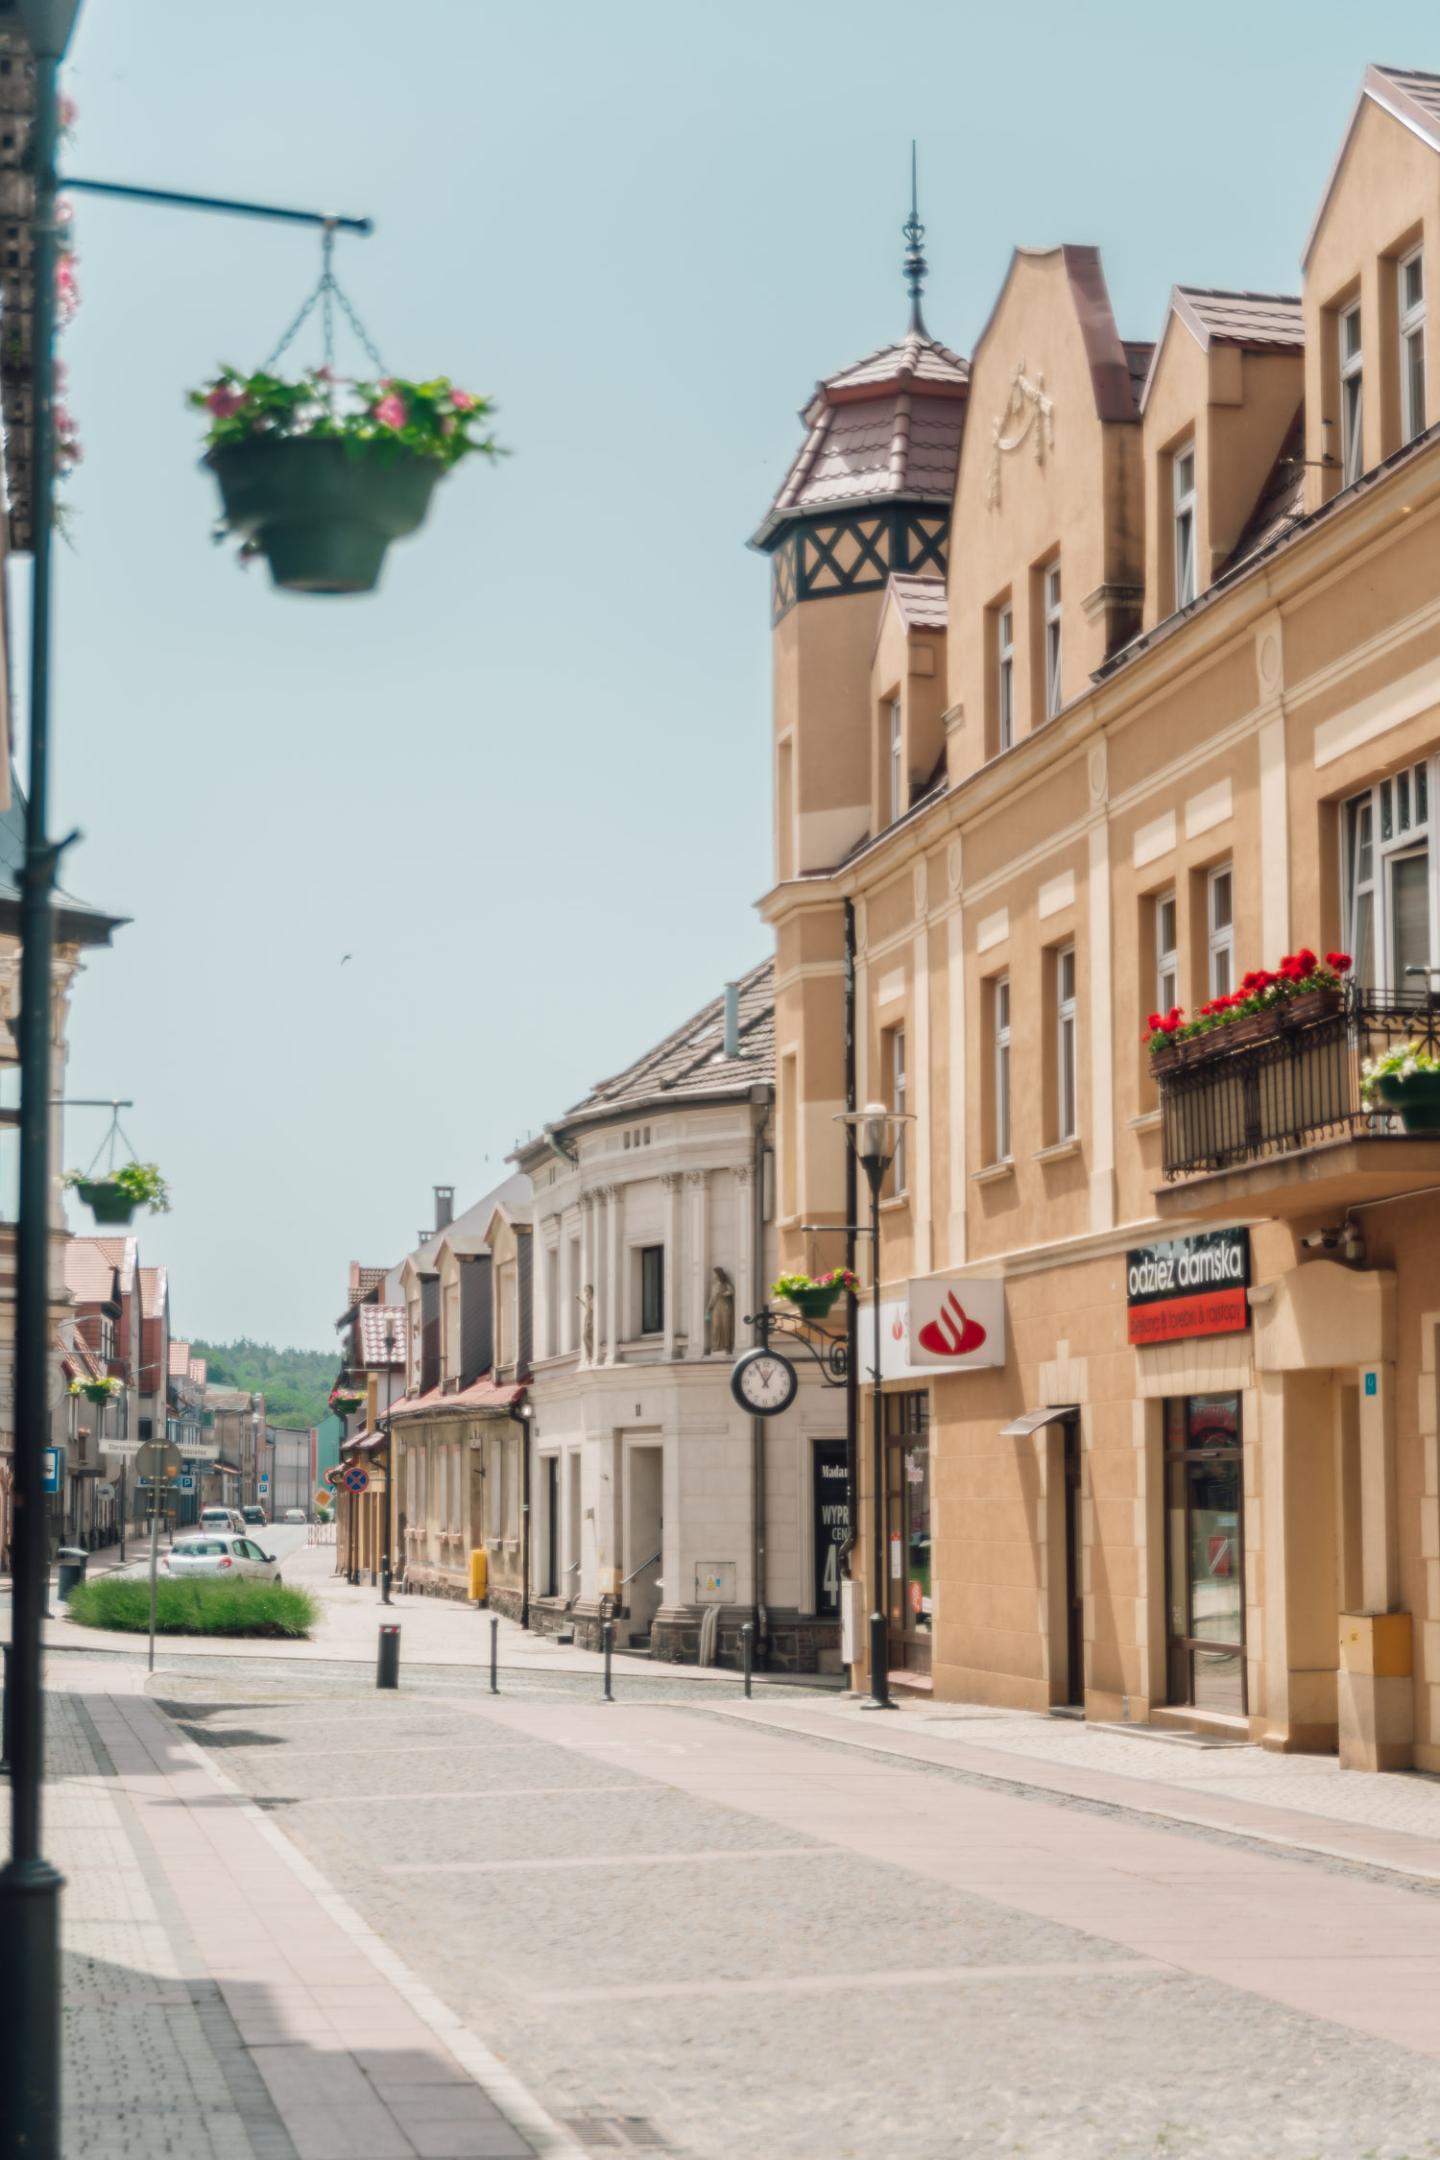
(1292, 1088)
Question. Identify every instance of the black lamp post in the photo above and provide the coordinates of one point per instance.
(386, 1571)
(29, 1885)
(874, 1134)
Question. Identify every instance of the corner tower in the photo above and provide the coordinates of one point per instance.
(868, 495)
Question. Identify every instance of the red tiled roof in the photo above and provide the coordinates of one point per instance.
(153, 1288)
(482, 1394)
(887, 429)
(90, 1268)
(1240, 318)
(374, 1319)
(922, 601)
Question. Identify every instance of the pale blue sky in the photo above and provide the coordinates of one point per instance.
(528, 784)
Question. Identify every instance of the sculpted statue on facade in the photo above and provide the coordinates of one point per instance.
(586, 1302)
(720, 1313)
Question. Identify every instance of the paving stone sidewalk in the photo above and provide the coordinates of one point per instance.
(221, 2001)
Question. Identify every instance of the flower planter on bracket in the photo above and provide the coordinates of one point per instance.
(107, 1201)
(322, 512)
(817, 1303)
(1312, 1005)
(1415, 1095)
(96, 1391)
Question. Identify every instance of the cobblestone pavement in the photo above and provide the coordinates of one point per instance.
(706, 1934)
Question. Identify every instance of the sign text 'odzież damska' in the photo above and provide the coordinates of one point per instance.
(1188, 1286)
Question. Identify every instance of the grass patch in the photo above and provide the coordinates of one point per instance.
(200, 1605)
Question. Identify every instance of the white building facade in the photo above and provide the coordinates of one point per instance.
(657, 1501)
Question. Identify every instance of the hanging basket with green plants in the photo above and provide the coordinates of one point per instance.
(119, 1194)
(346, 1403)
(815, 1296)
(98, 1391)
(1406, 1079)
(319, 473)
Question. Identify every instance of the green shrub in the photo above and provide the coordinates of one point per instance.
(196, 1605)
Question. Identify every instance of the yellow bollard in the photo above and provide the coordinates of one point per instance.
(479, 1575)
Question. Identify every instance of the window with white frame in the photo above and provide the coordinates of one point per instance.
(1000, 1034)
(897, 761)
(1004, 677)
(1410, 284)
(1167, 953)
(1052, 641)
(1183, 474)
(1220, 920)
(1391, 891)
(510, 1449)
(897, 1087)
(495, 1489)
(1066, 1108)
(1352, 415)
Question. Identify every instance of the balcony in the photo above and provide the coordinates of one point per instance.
(1277, 1125)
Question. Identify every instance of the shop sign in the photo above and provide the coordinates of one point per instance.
(1188, 1286)
(830, 1522)
(944, 1322)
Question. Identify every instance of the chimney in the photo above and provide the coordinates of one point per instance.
(732, 1020)
(444, 1207)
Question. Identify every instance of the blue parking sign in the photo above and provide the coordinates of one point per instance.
(53, 1473)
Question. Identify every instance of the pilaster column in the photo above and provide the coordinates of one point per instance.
(697, 1189)
(612, 1273)
(587, 1277)
(567, 1317)
(670, 1180)
(747, 1260)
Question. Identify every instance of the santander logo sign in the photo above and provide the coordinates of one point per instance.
(952, 1333)
(955, 1321)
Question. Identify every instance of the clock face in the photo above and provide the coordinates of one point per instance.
(764, 1382)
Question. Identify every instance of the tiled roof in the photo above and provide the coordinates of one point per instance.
(90, 1265)
(152, 1292)
(227, 1398)
(688, 1066)
(922, 601)
(374, 1319)
(363, 1280)
(1411, 96)
(1240, 318)
(482, 1394)
(1416, 87)
(180, 1359)
(1137, 359)
(887, 429)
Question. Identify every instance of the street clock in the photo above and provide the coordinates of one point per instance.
(763, 1382)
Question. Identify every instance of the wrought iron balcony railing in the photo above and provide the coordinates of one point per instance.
(1246, 1098)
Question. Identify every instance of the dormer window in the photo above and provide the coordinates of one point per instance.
(1005, 677)
(897, 761)
(1052, 641)
(1183, 467)
(1352, 447)
(1410, 284)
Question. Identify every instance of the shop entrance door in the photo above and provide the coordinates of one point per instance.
(911, 1600)
(1074, 1569)
(552, 1525)
(1205, 1553)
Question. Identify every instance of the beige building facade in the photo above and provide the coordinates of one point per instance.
(1155, 704)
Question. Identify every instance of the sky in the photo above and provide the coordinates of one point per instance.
(526, 785)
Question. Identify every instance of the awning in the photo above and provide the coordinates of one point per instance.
(1030, 1421)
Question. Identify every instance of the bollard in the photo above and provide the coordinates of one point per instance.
(607, 1638)
(387, 1660)
(385, 1578)
(747, 1653)
(494, 1655)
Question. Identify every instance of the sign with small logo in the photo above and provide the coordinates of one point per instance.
(1372, 1383)
(354, 1478)
(187, 1481)
(53, 1471)
(957, 1322)
(1188, 1286)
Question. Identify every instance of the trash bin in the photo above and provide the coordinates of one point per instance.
(73, 1562)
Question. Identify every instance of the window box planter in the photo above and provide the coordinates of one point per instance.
(322, 512)
(1311, 1006)
(1416, 1096)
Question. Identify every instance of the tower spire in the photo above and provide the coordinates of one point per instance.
(915, 264)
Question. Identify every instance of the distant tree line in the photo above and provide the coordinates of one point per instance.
(295, 1383)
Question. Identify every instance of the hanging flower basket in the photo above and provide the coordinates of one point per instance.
(116, 1197)
(98, 1391)
(815, 1298)
(320, 475)
(345, 1406)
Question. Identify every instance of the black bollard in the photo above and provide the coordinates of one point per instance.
(387, 1659)
(385, 1578)
(747, 1653)
(494, 1655)
(607, 1638)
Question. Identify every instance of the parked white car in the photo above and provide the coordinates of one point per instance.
(294, 1514)
(222, 1518)
(221, 1555)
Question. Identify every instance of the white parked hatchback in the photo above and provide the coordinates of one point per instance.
(222, 1518)
(221, 1555)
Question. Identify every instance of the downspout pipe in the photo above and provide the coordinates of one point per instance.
(852, 1305)
(763, 1098)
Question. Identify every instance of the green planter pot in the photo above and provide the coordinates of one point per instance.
(106, 1200)
(1416, 1096)
(322, 513)
(815, 1304)
(97, 1394)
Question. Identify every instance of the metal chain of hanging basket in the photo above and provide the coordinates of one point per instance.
(116, 1132)
(326, 295)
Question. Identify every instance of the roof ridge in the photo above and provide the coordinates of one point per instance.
(1236, 292)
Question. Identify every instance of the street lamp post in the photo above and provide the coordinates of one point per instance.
(29, 1885)
(874, 1134)
(386, 1574)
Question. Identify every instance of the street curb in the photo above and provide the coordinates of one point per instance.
(496, 2080)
